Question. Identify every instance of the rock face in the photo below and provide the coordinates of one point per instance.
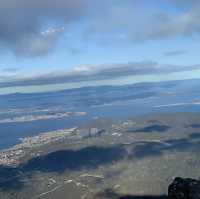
(184, 188)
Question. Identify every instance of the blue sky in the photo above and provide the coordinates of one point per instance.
(45, 38)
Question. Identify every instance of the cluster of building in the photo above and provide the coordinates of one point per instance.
(89, 132)
(46, 138)
(13, 155)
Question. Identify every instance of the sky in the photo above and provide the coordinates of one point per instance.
(54, 42)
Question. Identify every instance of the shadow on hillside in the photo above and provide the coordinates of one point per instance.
(151, 128)
(195, 136)
(150, 148)
(143, 197)
(10, 178)
(89, 157)
(111, 194)
(194, 126)
(59, 161)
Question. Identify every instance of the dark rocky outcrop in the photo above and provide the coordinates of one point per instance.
(184, 188)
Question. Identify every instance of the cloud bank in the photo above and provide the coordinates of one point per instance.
(98, 72)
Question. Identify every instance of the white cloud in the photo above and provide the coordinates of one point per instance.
(22, 22)
(39, 44)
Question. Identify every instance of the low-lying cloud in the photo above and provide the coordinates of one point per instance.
(99, 72)
(174, 53)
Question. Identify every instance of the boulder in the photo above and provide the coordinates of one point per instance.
(184, 188)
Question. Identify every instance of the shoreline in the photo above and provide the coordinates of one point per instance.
(11, 156)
